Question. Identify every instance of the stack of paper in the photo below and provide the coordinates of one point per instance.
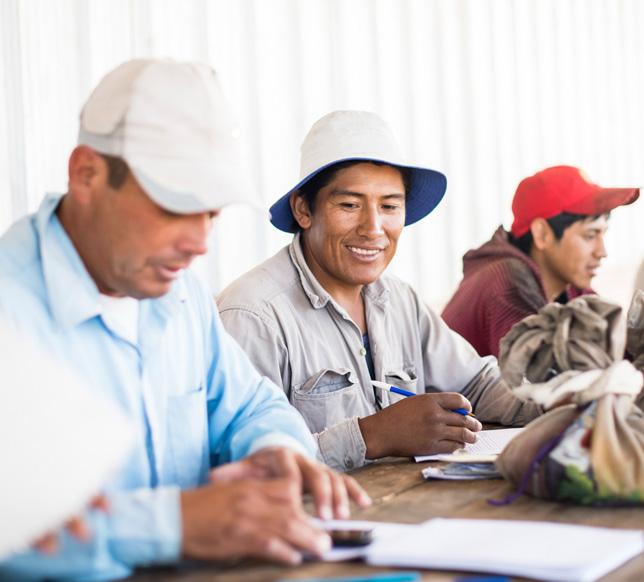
(489, 445)
(541, 550)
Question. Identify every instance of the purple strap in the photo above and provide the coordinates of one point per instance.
(542, 453)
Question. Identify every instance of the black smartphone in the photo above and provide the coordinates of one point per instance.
(351, 537)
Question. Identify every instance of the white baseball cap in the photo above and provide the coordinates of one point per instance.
(342, 136)
(172, 124)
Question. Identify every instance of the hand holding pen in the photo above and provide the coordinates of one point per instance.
(403, 392)
(425, 424)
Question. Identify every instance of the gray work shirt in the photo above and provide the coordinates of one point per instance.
(298, 336)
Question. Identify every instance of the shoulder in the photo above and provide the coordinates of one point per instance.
(504, 270)
(20, 264)
(262, 286)
(19, 247)
(405, 301)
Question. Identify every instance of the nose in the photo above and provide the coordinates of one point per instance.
(194, 235)
(371, 221)
(600, 247)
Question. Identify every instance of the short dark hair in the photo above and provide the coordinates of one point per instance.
(309, 190)
(558, 224)
(117, 170)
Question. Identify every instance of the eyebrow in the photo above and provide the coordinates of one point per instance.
(396, 195)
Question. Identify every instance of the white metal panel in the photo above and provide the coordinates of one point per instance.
(487, 91)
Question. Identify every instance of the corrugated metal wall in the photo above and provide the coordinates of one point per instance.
(486, 90)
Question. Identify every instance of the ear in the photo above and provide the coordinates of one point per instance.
(542, 235)
(301, 211)
(87, 171)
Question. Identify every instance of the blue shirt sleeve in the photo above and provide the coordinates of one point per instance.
(245, 410)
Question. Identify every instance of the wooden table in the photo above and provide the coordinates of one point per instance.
(400, 494)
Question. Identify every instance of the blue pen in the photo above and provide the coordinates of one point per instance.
(403, 392)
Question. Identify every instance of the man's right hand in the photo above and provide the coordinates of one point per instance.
(419, 425)
(249, 518)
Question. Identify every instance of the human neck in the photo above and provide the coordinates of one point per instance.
(349, 297)
(72, 222)
(552, 283)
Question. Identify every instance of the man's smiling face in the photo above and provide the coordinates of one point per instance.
(351, 235)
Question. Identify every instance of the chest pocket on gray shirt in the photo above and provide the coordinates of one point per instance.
(403, 378)
(329, 397)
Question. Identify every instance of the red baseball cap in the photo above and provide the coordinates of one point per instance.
(563, 189)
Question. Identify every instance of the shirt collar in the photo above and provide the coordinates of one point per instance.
(376, 292)
(73, 295)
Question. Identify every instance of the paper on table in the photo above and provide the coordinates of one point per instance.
(58, 442)
(382, 532)
(541, 550)
(490, 443)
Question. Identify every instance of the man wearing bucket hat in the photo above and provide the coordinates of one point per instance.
(99, 277)
(552, 252)
(322, 321)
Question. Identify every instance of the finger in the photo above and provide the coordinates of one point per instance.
(356, 493)
(276, 550)
(100, 502)
(300, 532)
(459, 434)
(48, 544)
(453, 400)
(473, 424)
(78, 529)
(317, 479)
(455, 419)
(340, 496)
(294, 530)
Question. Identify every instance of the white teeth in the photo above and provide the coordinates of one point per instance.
(364, 252)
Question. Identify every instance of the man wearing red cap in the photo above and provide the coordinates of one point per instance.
(552, 252)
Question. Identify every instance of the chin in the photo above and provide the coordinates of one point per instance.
(150, 291)
(583, 283)
(362, 277)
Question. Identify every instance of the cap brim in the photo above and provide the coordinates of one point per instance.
(190, 187)
(425, 193)
(604, 200)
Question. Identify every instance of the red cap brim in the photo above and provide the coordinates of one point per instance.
(604, 200)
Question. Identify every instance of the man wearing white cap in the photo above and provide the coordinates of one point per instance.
(321, 320)
(98, 275)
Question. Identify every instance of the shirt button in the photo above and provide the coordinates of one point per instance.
(363, 351)
(349, 463)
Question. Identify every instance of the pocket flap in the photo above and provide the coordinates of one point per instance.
(327, 380)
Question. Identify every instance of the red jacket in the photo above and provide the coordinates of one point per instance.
(501, 285)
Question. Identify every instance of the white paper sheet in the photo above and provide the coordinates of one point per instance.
(489, 445)
(382, 532)
(541, 550)
(58, 443)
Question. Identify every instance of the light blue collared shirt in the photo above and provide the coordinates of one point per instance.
(189, 388)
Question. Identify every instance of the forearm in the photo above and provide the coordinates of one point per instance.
(493, 401)
(141, 527)
(265, 419)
